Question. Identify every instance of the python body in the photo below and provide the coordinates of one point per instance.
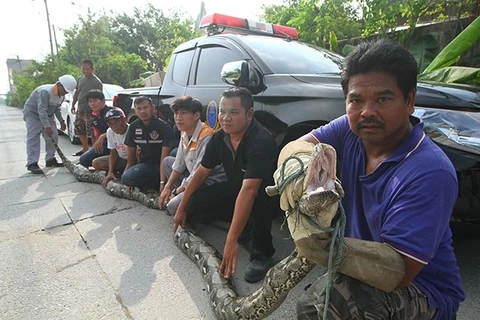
(319, 197)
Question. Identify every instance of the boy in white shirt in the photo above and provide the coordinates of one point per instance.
(116, 161)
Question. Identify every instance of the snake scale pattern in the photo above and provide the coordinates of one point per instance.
(226, 303)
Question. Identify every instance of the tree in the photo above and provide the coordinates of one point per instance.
(121, 68)
(383, 18)
(151, 34)
(36, 74)
(90, 38)
(316, 20)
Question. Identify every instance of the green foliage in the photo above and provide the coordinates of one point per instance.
(440, 71)
(424, 49)
(90, 38)
(452, 52)
(457, 75)
(333, 42)
(382, 18)
(151, 34)
(347, 49)
(122, 47)
(121, 68)
(140, 82)
(315, 20)
(35, 75)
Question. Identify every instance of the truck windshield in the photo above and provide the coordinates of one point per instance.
(292, 57)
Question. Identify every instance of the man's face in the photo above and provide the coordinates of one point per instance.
(61, 90)
(233, 117)
(118, 125)
(144, 110)
(376, 108)
(96, 104)
(87, 70)
(186, 120)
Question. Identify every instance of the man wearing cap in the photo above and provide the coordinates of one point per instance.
(116, 133)
(44, 102)
(83, 119)
(96, 101)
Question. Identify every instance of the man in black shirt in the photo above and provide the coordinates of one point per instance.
(151, 136)
(248, 153)
(96, 101)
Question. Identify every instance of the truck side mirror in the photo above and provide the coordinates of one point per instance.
(238, 73)
(232, 72)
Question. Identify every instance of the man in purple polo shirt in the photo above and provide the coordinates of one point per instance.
(400, 190)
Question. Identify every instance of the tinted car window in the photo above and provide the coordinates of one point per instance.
(294, 57)
(211, 62)
(182, 67)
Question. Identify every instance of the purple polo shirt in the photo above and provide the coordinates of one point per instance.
(406, 202)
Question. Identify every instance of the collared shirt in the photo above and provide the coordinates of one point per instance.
(190, 153)
(149, 139)
(255, 157)
(45, 102)
(406, 202)
(99, 124)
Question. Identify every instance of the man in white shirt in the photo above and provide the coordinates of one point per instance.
(116, 161)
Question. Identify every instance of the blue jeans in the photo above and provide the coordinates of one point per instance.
(142, 175)
(87, 158)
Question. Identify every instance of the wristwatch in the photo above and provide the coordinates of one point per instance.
(174, 192)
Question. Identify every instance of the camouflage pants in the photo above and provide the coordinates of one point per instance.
(83, 122)
(351, 299)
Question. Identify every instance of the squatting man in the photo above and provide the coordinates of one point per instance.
(398, 261)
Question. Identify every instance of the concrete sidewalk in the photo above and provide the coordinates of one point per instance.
(71, 251)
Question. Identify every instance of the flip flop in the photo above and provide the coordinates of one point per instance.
(79, 153)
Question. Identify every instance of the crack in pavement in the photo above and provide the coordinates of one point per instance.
(68, 266)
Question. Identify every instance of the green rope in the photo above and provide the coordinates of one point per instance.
(337, 242)
(338, 231)
(283, 182)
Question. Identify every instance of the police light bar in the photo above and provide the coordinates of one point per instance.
(213, 23)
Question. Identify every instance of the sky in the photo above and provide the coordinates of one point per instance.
(24, 28)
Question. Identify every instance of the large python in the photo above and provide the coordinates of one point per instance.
(279, 280)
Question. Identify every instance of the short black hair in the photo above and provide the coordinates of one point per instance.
(89, 62)
(187, 103)
(95, 94)
(246, 98)
(382, 56)
(140, 99)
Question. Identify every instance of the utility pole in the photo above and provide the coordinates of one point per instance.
(49, 30)
(55, 37)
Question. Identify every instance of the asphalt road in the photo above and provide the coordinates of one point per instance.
(70, 251)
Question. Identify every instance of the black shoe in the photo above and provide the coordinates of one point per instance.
(53, 163)
(34, 168)
(257, 268)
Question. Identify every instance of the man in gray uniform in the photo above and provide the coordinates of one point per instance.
(83, 120)
(44, 102)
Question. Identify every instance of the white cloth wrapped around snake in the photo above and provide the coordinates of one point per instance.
(320, 195)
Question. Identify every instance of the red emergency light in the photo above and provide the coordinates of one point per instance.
(215, 21)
